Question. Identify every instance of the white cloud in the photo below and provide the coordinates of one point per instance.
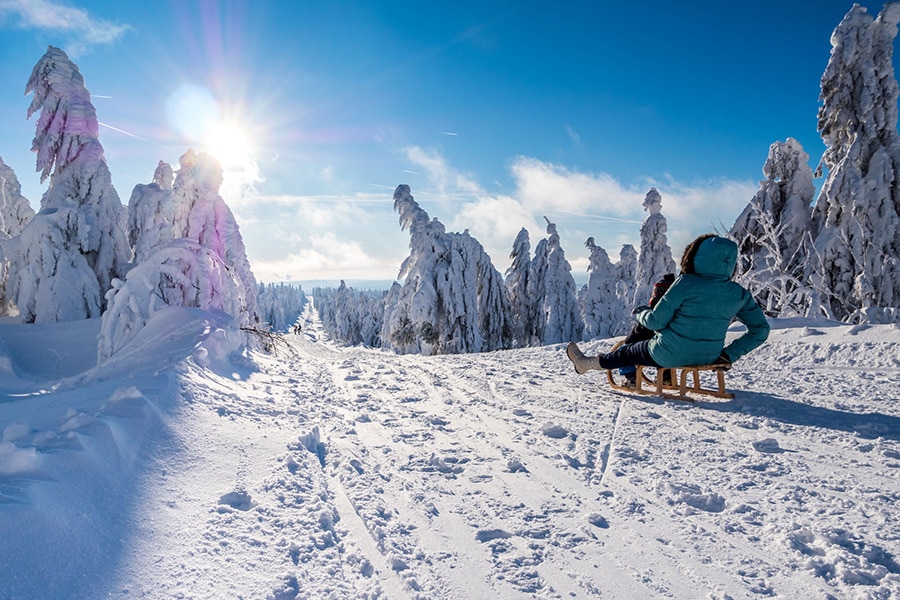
(495, 222)
(599, 205)
(326, 256)
(545, 187)
(446, 179)
(43, 14)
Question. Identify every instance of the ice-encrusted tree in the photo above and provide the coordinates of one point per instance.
(201, 215)
(626, 271)
(555, 312)
(452, 299)
(351, 316)
(857, 215)
(182, 273)
(15, 210)
(772, 230)
(70, 252)
(15, 213)
(196, 259)
(520, 310)
(151, 214)
(601, 308)
(655, 258)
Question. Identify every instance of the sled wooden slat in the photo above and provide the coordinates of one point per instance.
(680, 386)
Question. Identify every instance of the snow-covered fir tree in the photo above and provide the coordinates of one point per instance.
(70, 252)
(350, 316)
(15, 213)
(151, 214)
(452, 299)
(280, 305)
(520, 309)
(601, 309)
(655, 258)
(200, 263)
(555, 312)
(15, 210)
(203, 216)
(182, 273)
(772, 230)
(626, 272)
(857, 215)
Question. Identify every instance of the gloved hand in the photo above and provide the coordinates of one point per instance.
(638, 309)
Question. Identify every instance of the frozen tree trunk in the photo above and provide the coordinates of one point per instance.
(655, 258)
(68, 256)
(857, 216)
(772, 233)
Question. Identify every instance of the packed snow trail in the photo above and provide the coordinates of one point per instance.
(322, 471)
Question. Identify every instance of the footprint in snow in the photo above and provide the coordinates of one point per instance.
(554, 431)
(238, 500)
(598, 520)
(768, 446)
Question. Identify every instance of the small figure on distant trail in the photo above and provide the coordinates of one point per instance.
(690, 320)
(297, 328)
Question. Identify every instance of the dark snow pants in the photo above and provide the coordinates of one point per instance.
(628, 355)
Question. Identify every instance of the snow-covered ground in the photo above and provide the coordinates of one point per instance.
(176, 471)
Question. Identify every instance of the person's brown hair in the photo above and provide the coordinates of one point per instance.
(690, 251)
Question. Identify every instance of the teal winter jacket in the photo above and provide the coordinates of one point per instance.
(691, 319)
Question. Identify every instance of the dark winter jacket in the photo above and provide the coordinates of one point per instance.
(691, 319)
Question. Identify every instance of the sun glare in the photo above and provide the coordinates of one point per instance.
(230, 143)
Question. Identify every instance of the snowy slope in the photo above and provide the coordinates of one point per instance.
(326, 472)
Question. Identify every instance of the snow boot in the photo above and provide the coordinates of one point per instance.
(582, 363)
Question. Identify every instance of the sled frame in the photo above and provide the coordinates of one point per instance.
(679, 388)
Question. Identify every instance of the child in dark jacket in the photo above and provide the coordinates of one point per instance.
(639, 333)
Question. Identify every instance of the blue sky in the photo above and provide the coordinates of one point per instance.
(496, 113)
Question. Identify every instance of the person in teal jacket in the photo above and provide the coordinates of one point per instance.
(691, 319)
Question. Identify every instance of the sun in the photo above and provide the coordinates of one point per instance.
(230, 144)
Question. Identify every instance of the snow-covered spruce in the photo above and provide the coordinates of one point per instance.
(351, 317)
(556, 316)
(280, 305)
(15, 213)
(452, 299)
(72, 250)
(201, 215)
(520, 310)
(182, 273)
(151, 214)
(772, 233)
(15, 210)
(857, 215)
(626, 271)
(655, 258)
(603, 311)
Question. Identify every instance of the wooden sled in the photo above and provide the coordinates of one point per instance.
(676, 385)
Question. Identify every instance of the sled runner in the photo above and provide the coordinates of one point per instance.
(672, 382)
